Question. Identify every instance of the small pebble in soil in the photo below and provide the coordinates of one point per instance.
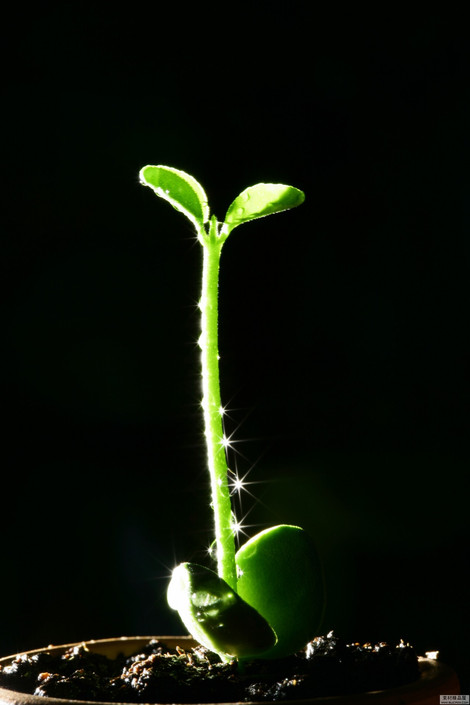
(157, 674)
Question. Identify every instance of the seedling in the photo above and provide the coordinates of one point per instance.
(266, 598)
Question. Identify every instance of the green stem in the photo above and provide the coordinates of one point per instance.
(212, 406)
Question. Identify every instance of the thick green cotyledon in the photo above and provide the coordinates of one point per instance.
(216, 615)
(280, 576)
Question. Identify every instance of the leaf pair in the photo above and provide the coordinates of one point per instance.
(276, 607)
(186, 194)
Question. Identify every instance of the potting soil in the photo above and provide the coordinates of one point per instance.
(157, 674)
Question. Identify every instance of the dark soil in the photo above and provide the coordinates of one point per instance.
(327, 666)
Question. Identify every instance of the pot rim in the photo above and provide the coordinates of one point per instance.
(434, 677)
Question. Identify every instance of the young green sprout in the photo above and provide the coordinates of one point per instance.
(265, 600)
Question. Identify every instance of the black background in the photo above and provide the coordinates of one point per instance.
(344, 323)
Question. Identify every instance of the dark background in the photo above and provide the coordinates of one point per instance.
(344, 323)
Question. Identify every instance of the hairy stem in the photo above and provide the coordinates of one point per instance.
(212, 406)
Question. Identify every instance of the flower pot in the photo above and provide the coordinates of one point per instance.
(435, 678)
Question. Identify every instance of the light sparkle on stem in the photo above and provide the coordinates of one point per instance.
(211, 404)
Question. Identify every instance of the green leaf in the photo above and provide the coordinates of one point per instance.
(180, 189)
(215, 615)
(261, 200)
(280, 576)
